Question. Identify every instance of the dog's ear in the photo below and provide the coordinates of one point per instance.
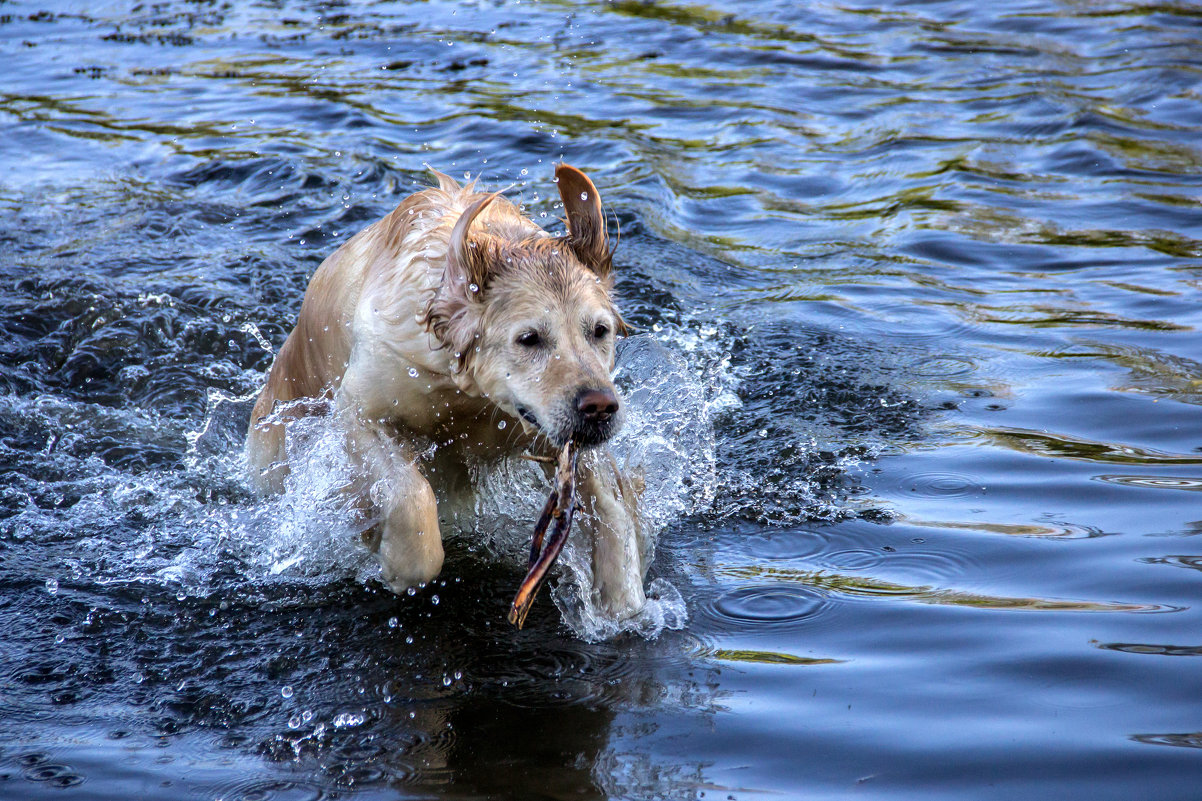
(453, 314)
(586, 221)
(467, 264)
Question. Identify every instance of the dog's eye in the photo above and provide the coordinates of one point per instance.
(600, 331)
(529, 339)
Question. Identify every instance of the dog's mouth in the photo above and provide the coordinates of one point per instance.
(528, 416)
(531, 424)
(585, 433)
(590, 435)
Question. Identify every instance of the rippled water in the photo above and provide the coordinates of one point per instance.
(915, 289)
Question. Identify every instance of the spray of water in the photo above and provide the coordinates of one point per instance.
(309, 535)
(667, 441)
(126, 496)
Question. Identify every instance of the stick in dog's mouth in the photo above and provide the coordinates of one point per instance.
(560, 507)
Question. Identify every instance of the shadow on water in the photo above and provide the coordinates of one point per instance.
(354, 688)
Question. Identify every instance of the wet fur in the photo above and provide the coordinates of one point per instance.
(446, 286)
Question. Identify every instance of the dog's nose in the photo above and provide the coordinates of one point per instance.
(596, 405)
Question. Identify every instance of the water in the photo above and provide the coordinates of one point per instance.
(915, 289)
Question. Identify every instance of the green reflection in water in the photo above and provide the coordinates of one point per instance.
(866, 586)
(1058, 531)
(770, 657)
(1062, 446)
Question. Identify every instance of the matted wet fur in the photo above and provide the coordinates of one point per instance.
(453, 314)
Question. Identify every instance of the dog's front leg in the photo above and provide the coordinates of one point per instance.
(611, 520)
(392, 488)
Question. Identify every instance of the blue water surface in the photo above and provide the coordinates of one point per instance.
(915, 292)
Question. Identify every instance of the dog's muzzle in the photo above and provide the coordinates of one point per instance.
(596, 416)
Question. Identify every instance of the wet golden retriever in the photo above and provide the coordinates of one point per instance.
(456, 331)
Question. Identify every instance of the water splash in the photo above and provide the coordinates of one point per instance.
(191, 526)
(196, 530)
(667, 440)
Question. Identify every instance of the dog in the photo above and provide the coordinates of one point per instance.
(455, 331)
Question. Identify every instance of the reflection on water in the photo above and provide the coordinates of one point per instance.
(1156, 482)
(1162, 650)
(872, 587)
(916, 349)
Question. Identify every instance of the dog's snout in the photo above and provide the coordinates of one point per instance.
(596, 405)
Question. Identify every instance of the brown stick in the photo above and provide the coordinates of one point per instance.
(560, 507)
(540, 528)
(535, 458)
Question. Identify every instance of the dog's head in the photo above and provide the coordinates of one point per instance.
(530, 320)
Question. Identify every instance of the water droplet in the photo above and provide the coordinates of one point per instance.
(286, 691)
(294, 722)
(473, 287)
(411, 591)
(434, 600)
(349, 719)
(446, 681)
(52, 586)
(393, 622)
(413, 372)
(584, 195)
(501, 425)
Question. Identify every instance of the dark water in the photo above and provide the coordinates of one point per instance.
(927, 273)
